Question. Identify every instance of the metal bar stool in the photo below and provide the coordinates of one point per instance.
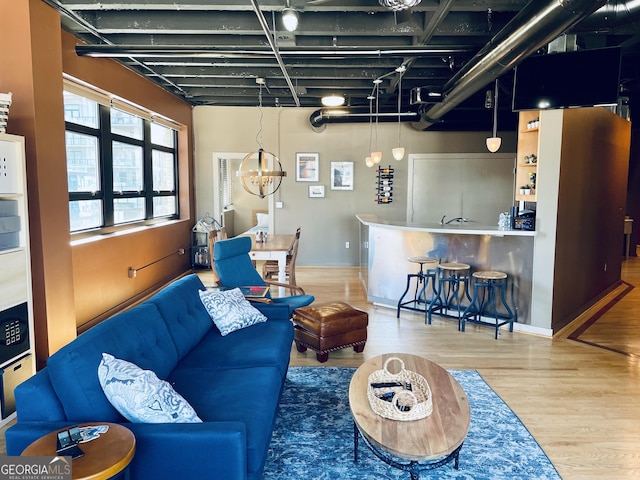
(423, 277)
(486, 287)
(451, 276)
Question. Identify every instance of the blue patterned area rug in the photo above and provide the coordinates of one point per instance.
(313, 436)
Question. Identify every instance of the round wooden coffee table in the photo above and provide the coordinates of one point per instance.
(104, 457)
(414, 445)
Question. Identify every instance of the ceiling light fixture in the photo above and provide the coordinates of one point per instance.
(290, 19)
(398, 152)
(397, 5)
(494, 142)
(333, 100)
(262, 181)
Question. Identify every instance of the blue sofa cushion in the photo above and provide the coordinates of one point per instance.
(247, 395)
(230, 311)
(139, 335)
(37, 399)
(185, 316)
(140, 396)
(264, 344)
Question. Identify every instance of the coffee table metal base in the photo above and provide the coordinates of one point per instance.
(413, 467)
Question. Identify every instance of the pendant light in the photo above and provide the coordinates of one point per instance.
(377, 155)
(261, 181)
(368, 160)
(494, 142)
(398, 152)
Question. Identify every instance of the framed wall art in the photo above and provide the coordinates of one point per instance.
(307, 167)
(341, 175)
(316, 191)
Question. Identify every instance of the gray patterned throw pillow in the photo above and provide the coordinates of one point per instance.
(140, 396)
(230, 311)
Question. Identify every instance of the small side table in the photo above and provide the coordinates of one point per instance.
(104, 457)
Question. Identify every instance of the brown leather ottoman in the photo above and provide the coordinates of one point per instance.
(327, 327)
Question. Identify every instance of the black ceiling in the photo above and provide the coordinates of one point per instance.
(211, 52)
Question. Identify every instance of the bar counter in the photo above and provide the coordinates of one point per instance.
(385, 247)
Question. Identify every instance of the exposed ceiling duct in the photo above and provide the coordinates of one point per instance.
(535, 26)
(323, 116)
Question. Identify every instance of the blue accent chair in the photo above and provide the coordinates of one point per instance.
(234, 268)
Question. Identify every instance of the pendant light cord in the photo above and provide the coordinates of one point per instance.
(259, 133)
(495, 111)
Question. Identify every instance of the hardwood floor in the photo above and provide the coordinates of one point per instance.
(580, 402)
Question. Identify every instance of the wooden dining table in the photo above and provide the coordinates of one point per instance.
(275, 248)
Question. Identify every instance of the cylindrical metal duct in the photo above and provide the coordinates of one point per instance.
(321, 117)
(536, 25)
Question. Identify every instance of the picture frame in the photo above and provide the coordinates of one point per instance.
(307, 167)
(341, 175)
(316, 191)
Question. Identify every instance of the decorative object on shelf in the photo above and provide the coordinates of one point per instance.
(341, 175)
(403, 396)
(261, 181)
(5, 103)
(307, 167)
(531, 124)
(384, 188)
(398, 152)
(532, 180)
(494, 142)
(525, 190)
(200, 255)
(531, 159)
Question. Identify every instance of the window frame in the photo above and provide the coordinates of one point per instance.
(106, 193)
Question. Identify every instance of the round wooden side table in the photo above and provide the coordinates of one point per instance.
(104, 457)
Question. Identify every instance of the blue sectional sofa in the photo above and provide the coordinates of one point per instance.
(233, 382)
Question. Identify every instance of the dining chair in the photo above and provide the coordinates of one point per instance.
(270, 269)
(233, 268)
(214, 236)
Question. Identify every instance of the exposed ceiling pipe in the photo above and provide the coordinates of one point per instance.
(533, 27)
(321, 117)
(276, 52)
(209, 51)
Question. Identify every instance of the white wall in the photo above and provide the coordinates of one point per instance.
(327, 223)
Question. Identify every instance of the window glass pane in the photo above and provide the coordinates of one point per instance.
(163, 171)
(85, 214)
(127, 168)
(83, 172)
(80, 110)
(123, 123)
(225, 183)
(161, 135)
(128, 210)
(163, 206)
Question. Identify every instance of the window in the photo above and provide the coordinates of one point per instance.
(121, 166)
(225, 183)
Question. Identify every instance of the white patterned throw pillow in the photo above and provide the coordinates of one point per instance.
(140, 396)
(230, 311)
